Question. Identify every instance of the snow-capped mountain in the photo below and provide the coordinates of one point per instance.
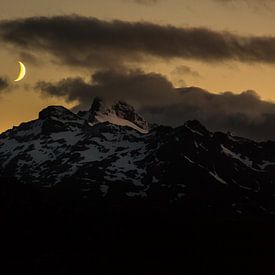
(108, 151)
(119, 113)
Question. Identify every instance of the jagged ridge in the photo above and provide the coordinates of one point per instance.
(174, 164)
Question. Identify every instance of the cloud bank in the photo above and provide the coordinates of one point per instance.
(89, 42)
(244, 114)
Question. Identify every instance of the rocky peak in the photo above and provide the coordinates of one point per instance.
(58, 119)
(119, 113)
(126, 111)
(96, 105)
(57, 112)
(196, 126)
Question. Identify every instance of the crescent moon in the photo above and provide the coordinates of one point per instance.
(22, 72)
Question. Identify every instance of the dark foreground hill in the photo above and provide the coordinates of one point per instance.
(99, 192)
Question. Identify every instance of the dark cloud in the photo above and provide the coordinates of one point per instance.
(4, 84)
(75, 40)
(135, 87)
(244, 114)
(185, 70)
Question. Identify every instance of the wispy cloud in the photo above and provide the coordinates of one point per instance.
(254, 3)
(185, 70)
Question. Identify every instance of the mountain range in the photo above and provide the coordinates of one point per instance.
(111, 152)
(105, 192)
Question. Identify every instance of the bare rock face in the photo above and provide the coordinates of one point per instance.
(119, 113)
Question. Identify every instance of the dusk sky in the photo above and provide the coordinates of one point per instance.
(74, 50)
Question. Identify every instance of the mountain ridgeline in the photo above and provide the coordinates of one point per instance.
(110, 152)
(76, 187)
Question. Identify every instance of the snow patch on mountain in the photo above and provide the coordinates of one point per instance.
(120, 113)
(114, 119)
(246, 161)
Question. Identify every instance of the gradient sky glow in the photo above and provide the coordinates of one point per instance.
(22, 102)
